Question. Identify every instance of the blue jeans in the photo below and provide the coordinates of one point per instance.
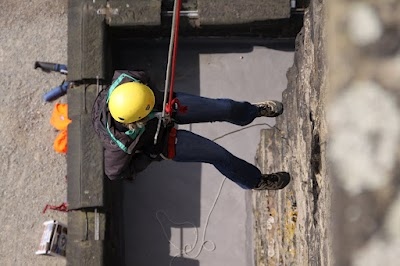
(191, 147)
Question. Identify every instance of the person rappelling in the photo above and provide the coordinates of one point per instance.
(136, 124)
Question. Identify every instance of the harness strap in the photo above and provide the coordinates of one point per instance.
(117, 82)
(171, 143)
(133, 134)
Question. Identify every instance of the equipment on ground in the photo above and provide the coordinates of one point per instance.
(58, 91)
(48, 67)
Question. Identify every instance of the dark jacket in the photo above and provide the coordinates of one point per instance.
(141, 151)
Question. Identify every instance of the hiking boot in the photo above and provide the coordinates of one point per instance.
(273, 181)
(269, 108)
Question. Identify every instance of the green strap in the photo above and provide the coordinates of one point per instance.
(117, 82)
(119, 143)
(131, 133)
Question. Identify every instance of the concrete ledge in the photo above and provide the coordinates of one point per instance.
(86, 40)
(85, 153)
(85, 253)
(135, 13)
(238, 11)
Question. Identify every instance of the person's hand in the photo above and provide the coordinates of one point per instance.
(158, 115)
(166, 119)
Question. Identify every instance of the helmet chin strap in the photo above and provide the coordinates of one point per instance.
(170, 74)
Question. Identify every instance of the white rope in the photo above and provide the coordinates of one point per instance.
(189, 248)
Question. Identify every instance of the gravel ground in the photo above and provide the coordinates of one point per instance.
(31, 172)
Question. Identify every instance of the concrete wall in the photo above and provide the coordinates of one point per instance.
(292, 225)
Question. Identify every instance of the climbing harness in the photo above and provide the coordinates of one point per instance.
(172, 104)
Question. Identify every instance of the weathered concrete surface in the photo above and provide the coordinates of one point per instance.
(292, 225)
(364, 126)
(135, 13)
(238, 11)
(86, 40)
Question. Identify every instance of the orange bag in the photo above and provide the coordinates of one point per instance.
(61, 141)
(59, 120)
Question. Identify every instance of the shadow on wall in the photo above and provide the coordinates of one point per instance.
(173, 188)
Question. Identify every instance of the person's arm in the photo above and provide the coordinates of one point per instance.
(117, 164)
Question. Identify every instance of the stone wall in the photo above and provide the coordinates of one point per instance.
(346, 187)
(291, 226)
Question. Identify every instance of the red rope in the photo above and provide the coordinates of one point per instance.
(63, 207)
(174, 55)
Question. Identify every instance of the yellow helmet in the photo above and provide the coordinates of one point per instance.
(130, 102)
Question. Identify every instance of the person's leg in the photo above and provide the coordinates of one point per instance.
(201, 109)
(191, 147)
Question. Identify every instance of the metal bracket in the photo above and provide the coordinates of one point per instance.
(96, 225)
